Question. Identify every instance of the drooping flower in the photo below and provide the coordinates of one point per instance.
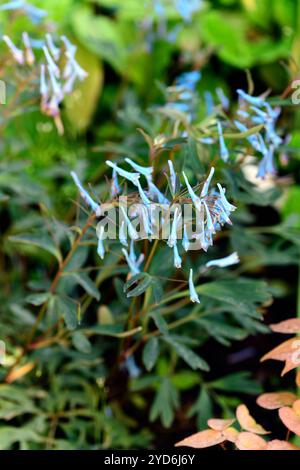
(227, 206)
(29, 55)
(193, 294)
(133, 177)
(223, 98)
(142, 194)
(134, 269)
(44, 89)
(223, 148)
(114, 187)
(172, 240)
(51, 64)
(209, 103)
(146, 171)
(177, 258)
(155, 193)
(131, 230)
(100, 247)
(96, 208)
(205, 188)
(17, 54)
(224, 262)
(256, 101)
(196, 200)
(185, 240)
(55, 51)
(173, 177)
(35, 14)
(122, 234)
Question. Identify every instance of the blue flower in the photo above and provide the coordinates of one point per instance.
(115, 187)
(196, 200)
(96, 208)
(209, 222)
(44, 89)
(131, 230)
(100, 248)
(227, 206)
(177, 259)
(55, 51)
(134, 269)
(256, 101)
(187, 8)
(266, 166)
(172, 240)
(17, 54)
(173, 177)
(205, 188)
(133, 177)
(209, 103)
(155, 193)
(51, 64)
(224, 262)
(223, 98)
(122, 234)
(193, 294)
(223, 149)
(185, 240)
(146, 171)
(142, 194)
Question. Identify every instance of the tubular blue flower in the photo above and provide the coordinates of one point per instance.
(34, 13)
(55, 51)
(189, 80)
(142, 194)
(133, 177)
(209, 103)
(223, 149)
(71, 48)
(100, 247)
(251, 138)
(209, 222)
(196, 200)
(155, 193)
(44, 89)
(132, 266)
(185, 240)
(172, 177)
(17, 54)
(146, 221)
(96, 208)
(115, 187)
(122, 235)
(51, 64)
(78, 70)
(69, 84)
(205, 188)
(177, 259)
(172, 240)
(227, 206)
(266, 165)
(224, 262)
(256, 101)
(143, 170)
(206, 140)
(131, 230)
(187, 8)
(223, 98)
(57, 90)
(29, 55)
(193, 294)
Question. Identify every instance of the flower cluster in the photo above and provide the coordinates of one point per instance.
(58, 74)
(206, 209)
(257, 111)
(21, 6)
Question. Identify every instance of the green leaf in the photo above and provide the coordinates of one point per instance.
(203, 408)
(69, 309)
(191, 358)
(160, 322)
(143, 281)
(165, 402)
(150, 353)
(42, 241)
(238, 382)
(38, 299)
(81, 343)
(87, 284)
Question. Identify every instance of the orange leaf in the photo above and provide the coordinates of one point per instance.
(290, 419)
(16, 374)
(203, 439)
(290, 326)
(230, 434)
(247, 422)
(296, 407)
(250, 441)
(273, 401)
(281, 352)
(281, 445)
(298, 379)
(220, 424)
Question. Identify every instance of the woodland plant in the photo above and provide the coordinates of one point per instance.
(115, 299)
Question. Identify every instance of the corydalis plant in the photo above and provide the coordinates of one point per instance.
(57, 70)
(207, 209)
